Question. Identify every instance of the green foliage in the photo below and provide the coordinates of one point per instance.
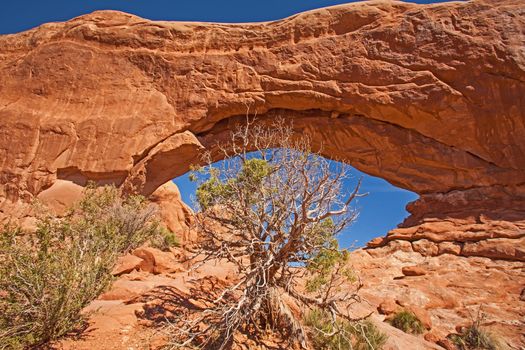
(48, 277)
(209, 192)
(327, 259)
(126, 221)
(215, 191)
(253, 172)
(165, 239)
(407, 322)
(475, 338)
(327, 335)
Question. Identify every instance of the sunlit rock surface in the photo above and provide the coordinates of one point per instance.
(430, 98)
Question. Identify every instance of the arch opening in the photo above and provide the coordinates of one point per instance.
(381, 210)
(406, 159)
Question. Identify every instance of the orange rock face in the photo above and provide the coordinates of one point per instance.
(431, 98)
(445, 291)
(174, 213)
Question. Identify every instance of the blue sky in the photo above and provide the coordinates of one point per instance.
(380, 211)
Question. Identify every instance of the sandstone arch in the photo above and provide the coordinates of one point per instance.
(431, 98)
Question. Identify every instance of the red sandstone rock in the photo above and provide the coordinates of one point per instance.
(415, 94)
(447, 344)
(61, 196)
(174, 213)
(422, 315)
(513, 249)
(126, 264)
(425, 247)
(452, 290)
(157, 261)
(392, 246)
(498, 239)
(126, 290)
(413, 271)
(459, 230)
(388, 307)
(449, 248)
(376, 242)
(431, 337)
(460, 328)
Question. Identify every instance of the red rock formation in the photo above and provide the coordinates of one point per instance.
(461, 223)
(431, 98)
(174, 213)
(446, 290)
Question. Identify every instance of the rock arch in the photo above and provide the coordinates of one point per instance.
(431, 98)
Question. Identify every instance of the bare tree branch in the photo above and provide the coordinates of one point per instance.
(275, 214)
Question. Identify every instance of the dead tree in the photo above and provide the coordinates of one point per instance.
(273, 208)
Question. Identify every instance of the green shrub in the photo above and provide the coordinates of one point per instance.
(475, 338)
(407, 322)
(325, 335)
(165, 239)
(48, 277)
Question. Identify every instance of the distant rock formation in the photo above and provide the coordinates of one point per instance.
(430, 98)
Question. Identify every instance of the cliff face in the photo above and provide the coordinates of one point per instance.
(431, 98)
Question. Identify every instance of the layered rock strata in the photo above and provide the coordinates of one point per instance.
(430, 98)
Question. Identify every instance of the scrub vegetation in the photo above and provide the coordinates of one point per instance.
(274, 210)
(407, 322)
(343, 334)
(475, 337)
(49, 276)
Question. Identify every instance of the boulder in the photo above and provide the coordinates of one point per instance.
(414, 271)
(126, 264)
(156, 261)
(388, 307)
(425, 247)
(174, 213)
(432, 337)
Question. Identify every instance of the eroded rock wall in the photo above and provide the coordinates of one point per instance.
(431, 98)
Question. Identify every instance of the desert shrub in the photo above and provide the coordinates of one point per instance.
(407, 322)
(343, 334)
(48, 277)
(274, 211)
(327, 265)
(475, 337)
(165, 239)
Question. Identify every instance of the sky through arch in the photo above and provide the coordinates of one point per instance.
(381, 210)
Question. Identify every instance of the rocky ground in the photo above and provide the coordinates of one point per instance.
(444, 291)
(433, 278)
